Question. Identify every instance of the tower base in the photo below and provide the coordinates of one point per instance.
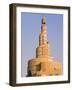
(44, 67)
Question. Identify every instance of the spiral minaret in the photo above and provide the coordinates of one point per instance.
(43, 64)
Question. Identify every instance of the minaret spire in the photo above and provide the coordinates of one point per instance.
(43, 34)
(42, 50)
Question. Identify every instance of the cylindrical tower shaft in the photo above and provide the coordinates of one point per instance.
(43, 34)
(42, 50)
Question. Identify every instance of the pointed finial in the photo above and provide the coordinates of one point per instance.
(43, 20)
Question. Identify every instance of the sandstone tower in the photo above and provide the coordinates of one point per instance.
(43, 64)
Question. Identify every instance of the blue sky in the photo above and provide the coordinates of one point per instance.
(30, 29)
